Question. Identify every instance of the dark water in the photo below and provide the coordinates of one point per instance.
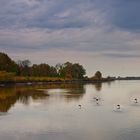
(52, 112)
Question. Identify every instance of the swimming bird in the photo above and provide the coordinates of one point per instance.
(97, 99)
(118, 107)
(80, 106)
(136, 100)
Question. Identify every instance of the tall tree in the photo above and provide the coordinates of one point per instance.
(98, 75)
(24, 66)
(70, 70)
(7, 64)
(43, 70)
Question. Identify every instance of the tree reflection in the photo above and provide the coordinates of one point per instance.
(24, 94)
(10, 95)
(7, 98)
(98, 86)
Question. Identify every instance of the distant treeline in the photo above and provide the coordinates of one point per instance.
(128, 78)
(24, 68)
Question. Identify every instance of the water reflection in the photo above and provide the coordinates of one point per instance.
(7, 98)
(98, 86)
(23, 94)
(52, 112)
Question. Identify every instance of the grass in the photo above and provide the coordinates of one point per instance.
(40, 79)
(6, 76)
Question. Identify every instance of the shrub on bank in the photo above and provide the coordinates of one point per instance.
(7, 76)
(40, 79)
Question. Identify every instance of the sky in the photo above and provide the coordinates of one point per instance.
(99, 34)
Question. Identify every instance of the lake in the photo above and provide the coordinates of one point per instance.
(52, 112)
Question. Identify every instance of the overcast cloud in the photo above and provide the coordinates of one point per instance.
(100, 34)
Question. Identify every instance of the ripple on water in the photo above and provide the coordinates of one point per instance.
(3, 113)
(129, 134)
(121, 110)
(135, 104)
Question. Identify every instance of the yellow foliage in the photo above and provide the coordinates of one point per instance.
(40, 79)
(6, 76)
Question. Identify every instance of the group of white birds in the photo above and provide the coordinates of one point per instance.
(118, 106)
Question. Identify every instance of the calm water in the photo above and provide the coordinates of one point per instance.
(51, 112)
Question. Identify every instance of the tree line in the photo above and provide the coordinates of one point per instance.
(24, 68)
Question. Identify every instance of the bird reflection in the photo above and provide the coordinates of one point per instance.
(135, 100)
(80, 106)
(24, 94)
(97, 100)
(118, 107)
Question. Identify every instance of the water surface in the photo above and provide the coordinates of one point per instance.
(52, 112)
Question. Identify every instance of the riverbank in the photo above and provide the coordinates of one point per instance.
(49, 80)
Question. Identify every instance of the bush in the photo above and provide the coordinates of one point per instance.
(6, 76)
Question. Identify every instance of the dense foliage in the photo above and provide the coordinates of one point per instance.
(6, 76)
(24, 68)
(98, 75)
(43, 70)
(66, 70)
(6, 64)
(70, 70)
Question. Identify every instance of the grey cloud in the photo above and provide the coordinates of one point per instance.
(104, 28)
(61, 14)
(121, 55)
(87, 26)
(123, 14)
(44, 14)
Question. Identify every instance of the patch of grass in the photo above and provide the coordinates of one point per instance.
(40, 79)
(6, 76)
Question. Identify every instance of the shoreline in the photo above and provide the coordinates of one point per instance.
(80, 81)
(4, 83)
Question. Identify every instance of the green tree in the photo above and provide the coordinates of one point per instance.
(24, 66)
(43, 70)
(98, 75)
(70, 70)
(7, 64)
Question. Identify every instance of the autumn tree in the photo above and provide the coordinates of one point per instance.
(7, 64)
(43, 70)
(70, 70)
(98, 75)
(24, 66)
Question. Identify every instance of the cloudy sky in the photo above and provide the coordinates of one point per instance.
(99, 34)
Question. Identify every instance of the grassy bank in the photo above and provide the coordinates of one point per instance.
(6, 77)
(41, 79)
